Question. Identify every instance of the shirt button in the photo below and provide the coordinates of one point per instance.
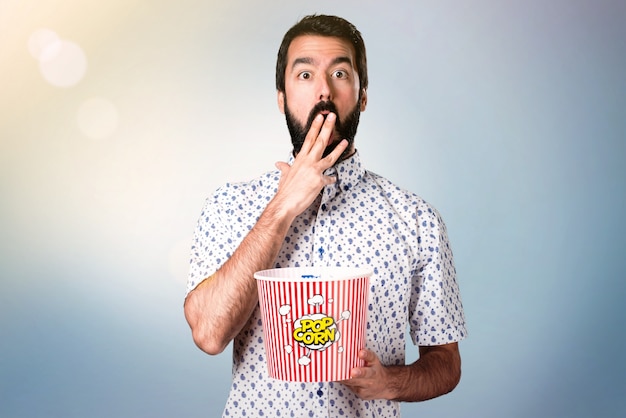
(323, 206)
(320, 393)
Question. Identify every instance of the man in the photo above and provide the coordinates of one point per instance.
(322, 208)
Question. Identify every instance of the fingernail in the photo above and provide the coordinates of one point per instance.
(331, 117)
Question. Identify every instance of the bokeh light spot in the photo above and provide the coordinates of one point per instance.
(62, 63)
(40, 40)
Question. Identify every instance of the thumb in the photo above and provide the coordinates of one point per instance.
(368, 356)
(282, 166)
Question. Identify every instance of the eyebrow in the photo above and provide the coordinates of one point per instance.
(307, 60)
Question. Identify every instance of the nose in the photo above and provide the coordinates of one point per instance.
(324, 88)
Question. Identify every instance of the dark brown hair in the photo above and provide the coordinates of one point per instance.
(323, 25)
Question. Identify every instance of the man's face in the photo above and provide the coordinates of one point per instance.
(321, 77)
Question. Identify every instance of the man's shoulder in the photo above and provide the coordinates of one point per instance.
(401, 197)
(390, 189)
(264, 184)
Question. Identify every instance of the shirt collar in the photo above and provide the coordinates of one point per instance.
(348, 172)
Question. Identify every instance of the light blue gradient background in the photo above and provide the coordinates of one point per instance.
(509, 117)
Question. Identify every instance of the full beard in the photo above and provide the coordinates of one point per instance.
(345, 129)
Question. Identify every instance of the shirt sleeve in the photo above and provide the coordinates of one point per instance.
(437, 315)
(212, 243)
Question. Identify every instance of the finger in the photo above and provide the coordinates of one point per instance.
(326, 180)
(282, 166)
(324, 136)
(332, 158)
(311, 136)
(368, 356)
(370, 359)
(357, 372)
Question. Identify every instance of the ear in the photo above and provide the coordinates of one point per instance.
(363, 99)
(281, 101)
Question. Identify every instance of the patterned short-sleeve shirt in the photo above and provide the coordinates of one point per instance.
(361, 220)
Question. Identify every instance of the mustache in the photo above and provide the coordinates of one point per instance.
(322, 106)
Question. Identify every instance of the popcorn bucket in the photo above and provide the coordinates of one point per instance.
(313, 321)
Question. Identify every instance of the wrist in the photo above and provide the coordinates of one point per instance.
(398, 381)
(279, 213)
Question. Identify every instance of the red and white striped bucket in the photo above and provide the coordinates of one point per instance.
(313, 321)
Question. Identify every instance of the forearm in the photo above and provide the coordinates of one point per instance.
(219, 307)
(435, 373)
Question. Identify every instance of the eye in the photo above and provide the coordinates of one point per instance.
(340, 74)
(305, 75)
